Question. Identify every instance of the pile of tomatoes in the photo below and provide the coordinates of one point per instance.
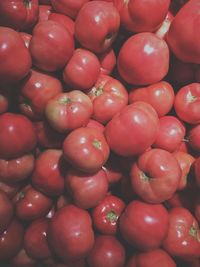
(99, 133)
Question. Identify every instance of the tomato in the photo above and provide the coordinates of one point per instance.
(151, 258)
(44, 12)
(10, 189)
(187, 103)
(47, 37)
(11, 240)
(21, 259)
(156, 175)
(96, 25)
(108, 61)
(164, 27)
(144, 225)
(35, 92)
(66, 21)
(35, 239)
(154, 94)
(17, 135)
(48, 174)
(105, 215)
(108, 96)
(19, 14)
(70, 233)
(86, 190)
(126, 132)
(137, 49)
(86, 149)
(82, 70)
(193, 137)
(12, 47)
(6, 211)
(140, 15)
(107, 251)
(183, 237)
(15, 170)
(26, 38)
(170, 134)
(68, 111)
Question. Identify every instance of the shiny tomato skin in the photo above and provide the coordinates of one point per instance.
(155, 176)
(137, 49)
(187, 102)
(155, 94)
(86, 149)
(86, 190)
(26, 38)
(183, 237)
(47, 176)
(107, 251)
(108, 96)
(70, 233)
(12, 46)
(106, 215)
(17, 135)
(126, 132)
(144, 226)
(164, 27)
(154, 258)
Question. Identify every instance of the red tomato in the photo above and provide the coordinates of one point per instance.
(21, 259)
(66, 21)
(26, 38)
(141, 15)
(68, 111)
(35, 239)
(108, 96)
(105, 215)
(10, 189)
(48, 173)
(86, 190)
(96, 25)
(82, 70)
(15, 170)
(107, 251)
(183, 237)
(186, 103)
(127, 133)
(144, 225)
(155, 258)
(156, 175)
(12, 47)
(155, 94)
(19, 14)
(70, 233)
(86, 149)
(47, 37)
(35, 92)
(193, 137)
(170, 134)
(6, 211)
(108, 61)
(139, 48)
(44, 12)
(17, 135)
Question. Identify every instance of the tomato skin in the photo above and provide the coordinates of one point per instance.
(44, 12)
(182, 37)
(105, 215)
(68, 111)
(12, 46)
(187, 103)
(6, 211)
(126, 132)
(15, 170)
(35, 92)
(82, 70)
(156, 175)
(48, 175)
(107, 251)
(26, 38)
(108, 61)
(170, 134)
(183, 237)
(108, 96)
(162, 31)
(21, 259)
(142, 16)
(35, 239)
(140, 218)
(152, 258)
(70, 233)
(66, 21)
(86, 149)
(47, 36)
(193, 137)
(17, 135)
(19, 14)
(101, 17)
(137, 49)
(154, 94)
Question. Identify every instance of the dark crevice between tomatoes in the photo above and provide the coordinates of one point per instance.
(27, 3)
